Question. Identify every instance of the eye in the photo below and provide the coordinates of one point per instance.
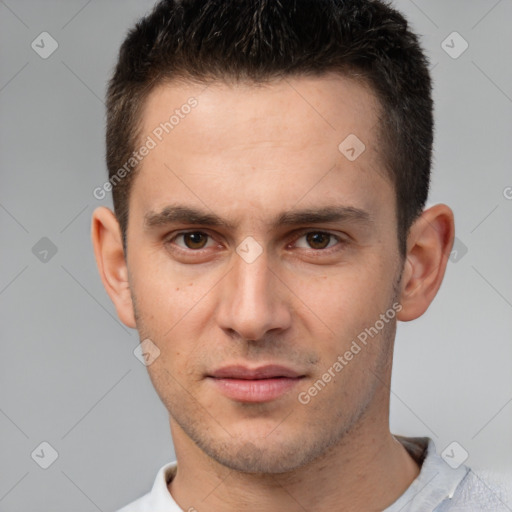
(192, 240)
(318, 240)
(195, 241)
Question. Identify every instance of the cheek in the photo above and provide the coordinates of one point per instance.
(170, 384)
(347, 298)
(166, 295)
(172, 308)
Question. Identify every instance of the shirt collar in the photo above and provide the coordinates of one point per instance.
(436, 482)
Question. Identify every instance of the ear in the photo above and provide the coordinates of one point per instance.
(110, 258)
(429, 244)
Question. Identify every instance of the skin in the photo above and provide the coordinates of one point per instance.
(249, 153)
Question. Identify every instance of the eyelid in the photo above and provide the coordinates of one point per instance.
(293, 238)
(340, 239)
(170, 239)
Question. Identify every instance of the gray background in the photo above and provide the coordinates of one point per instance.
(68, 375)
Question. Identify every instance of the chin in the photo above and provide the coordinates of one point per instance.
(262, 456)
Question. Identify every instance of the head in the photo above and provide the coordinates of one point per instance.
(258, 42)
(274, 216)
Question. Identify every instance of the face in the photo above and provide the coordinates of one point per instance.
(254, 240)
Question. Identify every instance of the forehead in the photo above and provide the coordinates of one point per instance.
(287, 135)
(309, 108)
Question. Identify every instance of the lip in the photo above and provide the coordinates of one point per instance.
(262, 372)
(261, 384)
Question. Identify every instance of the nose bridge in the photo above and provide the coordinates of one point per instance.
(252, 280)
(252, 306)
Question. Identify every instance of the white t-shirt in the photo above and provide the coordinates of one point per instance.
(438, 487)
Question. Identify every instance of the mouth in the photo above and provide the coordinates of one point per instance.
(262, 384)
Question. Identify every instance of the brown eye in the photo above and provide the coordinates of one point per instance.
(318, 240)
(195, 239)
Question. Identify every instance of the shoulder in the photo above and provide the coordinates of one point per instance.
(482, 491)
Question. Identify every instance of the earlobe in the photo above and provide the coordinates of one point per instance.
(110, 258)
(429, 244)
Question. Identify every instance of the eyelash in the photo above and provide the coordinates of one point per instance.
(341, 241)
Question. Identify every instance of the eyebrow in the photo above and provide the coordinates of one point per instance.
(180, 214)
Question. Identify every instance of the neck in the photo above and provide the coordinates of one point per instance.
(365, 471)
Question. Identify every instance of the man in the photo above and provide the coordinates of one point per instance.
(269, 163)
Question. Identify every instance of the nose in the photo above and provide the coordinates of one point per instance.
(253, 300)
